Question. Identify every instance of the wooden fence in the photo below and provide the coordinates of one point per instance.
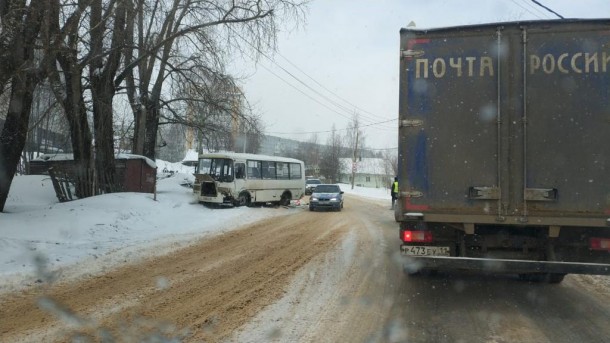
(75, 183)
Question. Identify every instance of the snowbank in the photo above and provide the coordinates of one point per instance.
(372, 193)
(90, 235)
(93, 234)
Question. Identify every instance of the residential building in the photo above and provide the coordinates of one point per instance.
(369, 172)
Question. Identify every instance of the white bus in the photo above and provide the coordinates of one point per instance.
(244, 179)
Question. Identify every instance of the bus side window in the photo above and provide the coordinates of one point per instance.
(269, 170)
(240, 169)
(295, 171)
(254, 171)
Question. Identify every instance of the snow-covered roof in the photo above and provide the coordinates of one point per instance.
(54, 157)
(246, 156)
(69, 157)
(148, 161)
(190, 158)
(373, 166)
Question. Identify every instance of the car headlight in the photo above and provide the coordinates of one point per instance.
(314, 199)
(333, 199)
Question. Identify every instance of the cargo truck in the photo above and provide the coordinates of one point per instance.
(504, 148)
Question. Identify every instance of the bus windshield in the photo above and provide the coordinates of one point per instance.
(220, 169)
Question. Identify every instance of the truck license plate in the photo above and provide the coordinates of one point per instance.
(424, 251)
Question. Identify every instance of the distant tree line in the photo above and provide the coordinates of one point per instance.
(113, 72)
(322, 159)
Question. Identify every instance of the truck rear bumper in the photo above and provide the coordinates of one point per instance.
(599, 220)
(504, 265)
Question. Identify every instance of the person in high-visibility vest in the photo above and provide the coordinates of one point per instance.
(394, 191)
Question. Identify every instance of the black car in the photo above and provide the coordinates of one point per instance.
(326, 196)
(310, 184)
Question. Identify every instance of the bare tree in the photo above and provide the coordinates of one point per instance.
(88, 49)
(103, 67)
(390, 162)
(309, 152)
(330, 164)
(170, 36)
(22, 65)
(48, 129)
(354, 137)
(252, 134)
(211, 103)
(66, 78)
(172, 140)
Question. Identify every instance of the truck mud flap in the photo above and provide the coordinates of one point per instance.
(504, 265)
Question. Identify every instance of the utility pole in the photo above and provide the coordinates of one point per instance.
(354, 158)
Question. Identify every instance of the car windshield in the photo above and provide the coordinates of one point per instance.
(305, 171)
(327, 189)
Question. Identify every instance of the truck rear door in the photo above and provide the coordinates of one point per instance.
(506, 121)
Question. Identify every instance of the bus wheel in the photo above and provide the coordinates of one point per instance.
(285, 199)
(243, 199)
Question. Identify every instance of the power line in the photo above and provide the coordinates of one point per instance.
(536, 8)
(299, 80)
(327, 131)
(300, 141)
(379, 149)
(302, 92)
(316, 100)
(321, 85)
(526, 9)
(548, 9)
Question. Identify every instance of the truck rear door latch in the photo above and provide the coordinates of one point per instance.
(541, 194)
(484, 193)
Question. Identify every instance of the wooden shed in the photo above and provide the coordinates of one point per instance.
(134, 173)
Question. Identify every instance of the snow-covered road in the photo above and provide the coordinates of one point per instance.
(92, 235)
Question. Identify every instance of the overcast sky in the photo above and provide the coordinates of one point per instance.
(347, 54)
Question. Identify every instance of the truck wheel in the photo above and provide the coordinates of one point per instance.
(532, 277)
(555, 278)
(542, 277)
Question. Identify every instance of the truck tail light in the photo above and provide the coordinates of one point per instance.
(409, 236)
(412, 207)
(599, 243)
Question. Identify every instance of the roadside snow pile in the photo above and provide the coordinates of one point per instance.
(373, 193)
(169, 169)
(175, 167)
(96, 233)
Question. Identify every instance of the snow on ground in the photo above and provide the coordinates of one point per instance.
(372, 193)
(177, 167)
(90, 235)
